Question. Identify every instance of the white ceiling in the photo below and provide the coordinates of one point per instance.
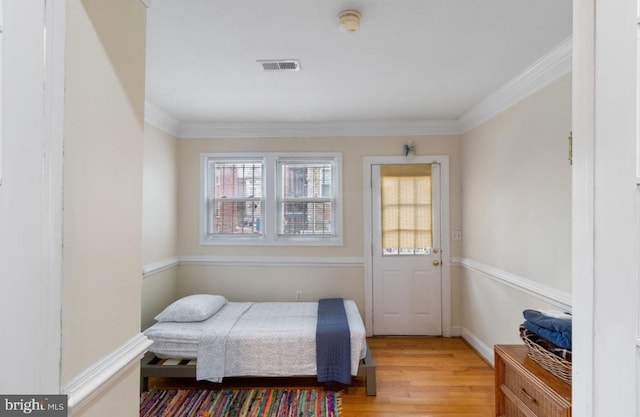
(411, 60)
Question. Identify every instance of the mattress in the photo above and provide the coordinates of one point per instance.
(266, 339)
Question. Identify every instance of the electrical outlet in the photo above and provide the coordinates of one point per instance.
(456, 235)
(298, 295)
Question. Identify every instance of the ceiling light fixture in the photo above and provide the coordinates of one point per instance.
(349, 21)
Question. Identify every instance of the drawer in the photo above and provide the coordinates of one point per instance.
(512, 410)
(531, 395)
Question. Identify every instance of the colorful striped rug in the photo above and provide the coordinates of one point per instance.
(240, 403)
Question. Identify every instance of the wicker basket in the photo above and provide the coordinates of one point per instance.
(552, 363)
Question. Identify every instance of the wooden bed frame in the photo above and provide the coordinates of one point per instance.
(151, 365)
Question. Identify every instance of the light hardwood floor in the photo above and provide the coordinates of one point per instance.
(416, 376)
(434, 377)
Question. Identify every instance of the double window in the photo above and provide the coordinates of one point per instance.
(271, 199)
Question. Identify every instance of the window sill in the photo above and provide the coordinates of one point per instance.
(280, 241)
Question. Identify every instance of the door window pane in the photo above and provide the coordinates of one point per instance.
(406, 209)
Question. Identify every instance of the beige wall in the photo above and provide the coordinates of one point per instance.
(117, 401)
(492, 312)
(517, 208)
(273, 282)
(158, 291)
(102, 255)
(353, 150)
(264, 283)
(159, 220)
(159, 195)
(517, 188)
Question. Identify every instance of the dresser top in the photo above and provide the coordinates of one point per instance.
(516, 355)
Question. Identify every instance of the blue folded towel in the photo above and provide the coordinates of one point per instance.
(557, 331)
(540, 319)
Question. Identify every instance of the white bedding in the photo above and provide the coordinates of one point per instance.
(254, 339)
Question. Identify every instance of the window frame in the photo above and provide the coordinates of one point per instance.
(270, 223)
(281, 199)
(208, 201)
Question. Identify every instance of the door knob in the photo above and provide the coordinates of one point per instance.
(436, 262)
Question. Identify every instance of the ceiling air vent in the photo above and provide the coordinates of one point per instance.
(279, 64)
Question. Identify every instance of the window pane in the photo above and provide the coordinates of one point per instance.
(306, 179)
(234, 217)
(306, 203)
(236, 207)
(308, 218)
(238, 180)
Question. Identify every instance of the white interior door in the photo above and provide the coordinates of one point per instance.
(406, 259)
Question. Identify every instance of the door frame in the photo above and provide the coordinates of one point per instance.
(443, 160)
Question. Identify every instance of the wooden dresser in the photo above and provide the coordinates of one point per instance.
(525, 389)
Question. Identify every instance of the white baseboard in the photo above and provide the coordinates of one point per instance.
(456, 331)
(485, 351)
(98, 376)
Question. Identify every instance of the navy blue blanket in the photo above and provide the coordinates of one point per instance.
(333, 342)
(553, 329)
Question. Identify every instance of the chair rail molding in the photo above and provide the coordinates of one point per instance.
(292, 261)
(155, 267)
(558, 298)
(99, 376)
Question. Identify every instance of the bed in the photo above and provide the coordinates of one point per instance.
(206, 337)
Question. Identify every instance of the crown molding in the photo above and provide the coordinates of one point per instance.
(543, 72)
(206, 130)
(154, 115)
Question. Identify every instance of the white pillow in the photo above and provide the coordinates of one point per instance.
(197, 307)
